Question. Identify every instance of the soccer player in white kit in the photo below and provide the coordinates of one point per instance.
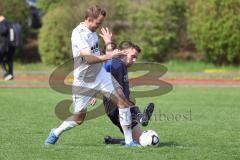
(90, 77)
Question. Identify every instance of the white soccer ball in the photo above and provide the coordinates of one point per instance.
(149, 138)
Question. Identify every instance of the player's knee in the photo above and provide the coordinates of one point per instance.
(120, 98)
(79, 122)
(123, 103)
(79, 118)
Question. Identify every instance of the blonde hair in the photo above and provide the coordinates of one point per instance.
(95, 12)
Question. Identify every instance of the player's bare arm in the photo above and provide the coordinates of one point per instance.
(92, 59)
(110, 53)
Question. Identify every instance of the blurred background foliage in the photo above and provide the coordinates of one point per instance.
(15, 10)
(214, 26)
(206, 30)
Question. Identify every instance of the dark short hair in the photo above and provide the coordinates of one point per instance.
(128, 44)
(94, 12)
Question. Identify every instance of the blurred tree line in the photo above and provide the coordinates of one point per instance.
(14, 10)
(162, 28)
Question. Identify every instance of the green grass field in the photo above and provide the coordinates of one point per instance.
(210, 131)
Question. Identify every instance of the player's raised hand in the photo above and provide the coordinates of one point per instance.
(106, 35)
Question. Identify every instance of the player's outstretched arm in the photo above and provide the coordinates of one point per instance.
(91, 59)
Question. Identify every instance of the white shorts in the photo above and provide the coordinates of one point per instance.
(104, 84)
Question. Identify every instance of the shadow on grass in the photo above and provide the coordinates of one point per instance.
(168, 144)
(89, 145)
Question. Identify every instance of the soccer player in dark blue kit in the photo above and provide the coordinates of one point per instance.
(119, 70)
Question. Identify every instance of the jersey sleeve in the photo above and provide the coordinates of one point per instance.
(108, 65)
(117, 71)
(79, 42)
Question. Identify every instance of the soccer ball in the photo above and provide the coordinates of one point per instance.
(149, 138)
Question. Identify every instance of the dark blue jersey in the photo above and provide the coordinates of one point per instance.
(119, 71)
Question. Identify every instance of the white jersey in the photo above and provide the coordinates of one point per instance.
(89, 79)
(82, 38)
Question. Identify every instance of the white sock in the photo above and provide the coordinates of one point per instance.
(66, 125)
(125, 119)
